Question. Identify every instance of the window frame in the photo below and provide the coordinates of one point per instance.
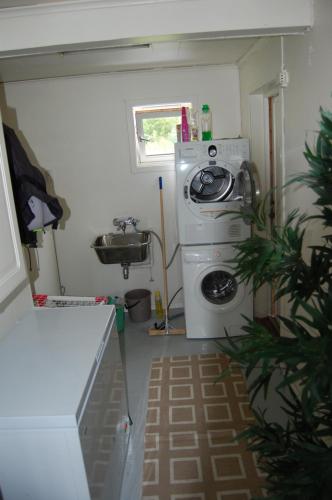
(147, 114)
(139, 110)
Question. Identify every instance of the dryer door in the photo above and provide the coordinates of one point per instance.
(247, 188)
(211, 184)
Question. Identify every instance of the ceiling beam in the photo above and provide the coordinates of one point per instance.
(98, 22)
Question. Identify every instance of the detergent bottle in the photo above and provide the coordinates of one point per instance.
(206, 122)
(158, 305)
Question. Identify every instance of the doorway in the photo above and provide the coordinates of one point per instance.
(266, 134)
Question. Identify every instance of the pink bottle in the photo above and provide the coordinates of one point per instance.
(184, 126)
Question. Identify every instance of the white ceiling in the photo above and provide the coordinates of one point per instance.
(74, 52)
(148, 56)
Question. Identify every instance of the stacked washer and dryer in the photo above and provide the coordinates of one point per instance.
(213, 177)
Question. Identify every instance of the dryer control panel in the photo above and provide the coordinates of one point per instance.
(220, 149)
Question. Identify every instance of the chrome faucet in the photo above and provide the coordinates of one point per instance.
(132, 221)
(122, 222)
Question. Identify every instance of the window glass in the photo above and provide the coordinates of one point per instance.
(156, 133)
(160, 134)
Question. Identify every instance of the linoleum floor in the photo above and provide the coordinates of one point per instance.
(140, 350)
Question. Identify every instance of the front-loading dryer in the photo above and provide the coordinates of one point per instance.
(214, 298)
(208, 183)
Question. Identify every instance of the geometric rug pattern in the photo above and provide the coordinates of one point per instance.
(191, 451)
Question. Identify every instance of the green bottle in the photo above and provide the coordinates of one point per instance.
(206, 122)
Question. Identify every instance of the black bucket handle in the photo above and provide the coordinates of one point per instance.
(132, 305)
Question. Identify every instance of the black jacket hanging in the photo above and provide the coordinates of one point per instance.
(35, 208)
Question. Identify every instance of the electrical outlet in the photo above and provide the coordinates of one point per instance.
(284, 78)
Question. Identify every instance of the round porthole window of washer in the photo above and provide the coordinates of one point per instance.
(219, 287)
(211, 184)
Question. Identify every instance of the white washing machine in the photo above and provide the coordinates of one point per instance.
(211, 177)
(214, 298)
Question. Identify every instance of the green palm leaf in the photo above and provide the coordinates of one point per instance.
(296, 455)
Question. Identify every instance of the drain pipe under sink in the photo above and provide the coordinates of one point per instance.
(125, 269)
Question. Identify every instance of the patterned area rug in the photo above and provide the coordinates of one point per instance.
(191, 423)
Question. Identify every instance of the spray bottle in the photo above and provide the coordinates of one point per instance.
(194, 125)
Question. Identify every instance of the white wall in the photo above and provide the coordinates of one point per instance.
(77, 129)
(307, 62)
(307, 59)
(260, 67)
(41, 264)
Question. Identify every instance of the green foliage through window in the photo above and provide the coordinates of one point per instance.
(160, 134)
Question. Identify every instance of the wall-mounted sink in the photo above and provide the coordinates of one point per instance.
(113, 248)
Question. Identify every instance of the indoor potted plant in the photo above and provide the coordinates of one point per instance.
(296, 455)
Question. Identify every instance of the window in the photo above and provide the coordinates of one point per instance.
(155, 133)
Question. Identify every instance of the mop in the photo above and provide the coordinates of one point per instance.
(166, 329)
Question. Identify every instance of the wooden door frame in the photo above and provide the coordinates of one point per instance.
(261, 135)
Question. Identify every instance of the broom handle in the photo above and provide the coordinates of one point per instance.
(163, 249)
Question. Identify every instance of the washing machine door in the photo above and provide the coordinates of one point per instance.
(211, 183)
(219, 287)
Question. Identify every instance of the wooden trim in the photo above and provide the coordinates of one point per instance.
(171, 331)
(158, 110)
(272, 214)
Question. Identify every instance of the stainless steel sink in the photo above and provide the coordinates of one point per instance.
(115, 248)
